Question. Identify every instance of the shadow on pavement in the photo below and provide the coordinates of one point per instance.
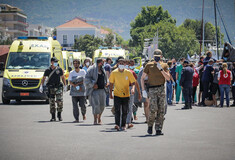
(86, 125)
(147, 135)
(45, 121)
(111, 130)
(26, 103)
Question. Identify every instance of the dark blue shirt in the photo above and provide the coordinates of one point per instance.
(172, 72)
(206, 60)
(207, 75)
(107, 67)
(187, 77)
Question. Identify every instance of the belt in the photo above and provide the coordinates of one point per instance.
(156, 86)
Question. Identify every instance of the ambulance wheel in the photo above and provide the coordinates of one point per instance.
(5, 101)
(47, 101)
(18, 100)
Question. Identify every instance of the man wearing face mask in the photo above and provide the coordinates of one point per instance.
(96, 87)
(55, 88)
(121, 78)
(157, 73)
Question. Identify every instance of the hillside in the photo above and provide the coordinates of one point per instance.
(118, 14)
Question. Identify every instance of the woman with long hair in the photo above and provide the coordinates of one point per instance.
(224, 78)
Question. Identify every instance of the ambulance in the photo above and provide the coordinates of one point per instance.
(79, 55)
(27, 60)
(67, 58)
(113, 53)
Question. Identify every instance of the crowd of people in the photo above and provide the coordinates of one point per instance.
(154, 86)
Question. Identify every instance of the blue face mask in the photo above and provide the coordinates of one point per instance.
(225, 58)
(126, 66)
(55, 64)
(226, 47)
(132, 67)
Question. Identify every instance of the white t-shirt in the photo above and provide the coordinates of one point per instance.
(73, 74)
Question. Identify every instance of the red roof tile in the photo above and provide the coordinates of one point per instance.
(76, 23)
(4, 49)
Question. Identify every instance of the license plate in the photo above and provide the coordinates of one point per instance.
(24, 94)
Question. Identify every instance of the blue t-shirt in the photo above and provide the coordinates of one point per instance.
(207, 75)
(107, 67)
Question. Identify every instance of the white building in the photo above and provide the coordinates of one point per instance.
(71, 30)
(35, 30)
(12, 21)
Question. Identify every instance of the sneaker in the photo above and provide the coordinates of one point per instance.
(177, 102)
(233, 105)
(76, 121)
(159, 133)
(123, 128)
(150, 130)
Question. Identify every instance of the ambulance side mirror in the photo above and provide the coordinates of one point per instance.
(1, 66)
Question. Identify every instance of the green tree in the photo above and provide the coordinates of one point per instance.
(88, 43)
(149, 15)
(175, 41)
(209, 33)
(109, 40)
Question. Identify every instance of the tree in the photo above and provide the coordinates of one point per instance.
(109, 40)
(175, 41)
(88, 43)
(149, 15)
(210, 32)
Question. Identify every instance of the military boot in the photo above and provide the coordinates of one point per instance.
(150, 130)
(185, 107)
(59, 116)
(159, 132)
(53, 117)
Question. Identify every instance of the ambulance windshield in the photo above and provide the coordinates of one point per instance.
(28, 60)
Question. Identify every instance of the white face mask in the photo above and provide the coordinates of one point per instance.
(87, 63)
(121, 67)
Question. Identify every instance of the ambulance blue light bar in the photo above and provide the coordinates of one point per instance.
(41, 38)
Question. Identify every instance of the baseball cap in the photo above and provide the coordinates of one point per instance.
(54, 59)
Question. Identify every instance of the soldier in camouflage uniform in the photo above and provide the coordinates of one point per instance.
(55, 88)
(157, 73)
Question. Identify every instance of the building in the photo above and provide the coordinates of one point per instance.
(35, 30)
(71, 30)
(12, 22)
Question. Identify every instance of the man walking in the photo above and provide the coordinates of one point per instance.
(157, 73)
(96, 85)
(76, 78)
(186, 83)
(121, 79)
(55, 88)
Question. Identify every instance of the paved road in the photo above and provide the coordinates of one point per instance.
(203, 133)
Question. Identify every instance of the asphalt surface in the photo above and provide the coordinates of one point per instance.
(203, 133)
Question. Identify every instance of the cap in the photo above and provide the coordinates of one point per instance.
(120, 57)
(157, 56)
(186, 62)
(211, 60)
(157, 52)
(54, 59)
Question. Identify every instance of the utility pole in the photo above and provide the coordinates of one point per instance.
(217, 50)
(202, 30)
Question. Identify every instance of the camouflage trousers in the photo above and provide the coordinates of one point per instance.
(56, 96)
(156, 107)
